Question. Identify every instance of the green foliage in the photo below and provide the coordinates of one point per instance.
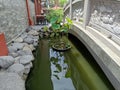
(67, 25)
(62, 2)
(55, 18)
(52, 13)
(55, 21)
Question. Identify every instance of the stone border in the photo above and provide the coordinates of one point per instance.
(19, 60)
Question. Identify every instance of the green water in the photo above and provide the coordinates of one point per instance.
(75, 69)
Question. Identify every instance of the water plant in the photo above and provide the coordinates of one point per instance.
(60, 29)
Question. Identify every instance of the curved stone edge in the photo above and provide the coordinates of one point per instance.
(107, 58)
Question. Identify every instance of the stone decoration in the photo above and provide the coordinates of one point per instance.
(106, 14)
(77, 10)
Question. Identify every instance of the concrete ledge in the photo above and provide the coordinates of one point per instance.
(104, 50)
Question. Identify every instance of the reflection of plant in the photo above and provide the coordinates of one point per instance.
(60, 67)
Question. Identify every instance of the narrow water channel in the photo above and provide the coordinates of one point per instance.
(75, 69)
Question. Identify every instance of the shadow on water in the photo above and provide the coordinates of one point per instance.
(86, 73)
(75, 69)
(40, 75)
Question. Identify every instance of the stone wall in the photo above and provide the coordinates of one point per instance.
(13, 17)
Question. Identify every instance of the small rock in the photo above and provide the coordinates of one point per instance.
(26, 59)
(6, 61)
(28, 40)
(26, 48)
(35, 43)
(17, 68)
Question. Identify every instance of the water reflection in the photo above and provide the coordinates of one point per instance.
(60, 71)
(70, 70)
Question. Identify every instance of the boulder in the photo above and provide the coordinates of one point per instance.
(17, 68)
(12, 49)
(19, 40)
(6, 61)
(33, 32)
(13, 54)
(35, 44)
(11, 81)
(28, 40)
(24, 52)
(19, 46)
(24, 35)
(32, 47)
(26, 59)
(27, 48)
(28, 67)
(36, 37)
(17, 59)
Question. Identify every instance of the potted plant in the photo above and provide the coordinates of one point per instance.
(59, 30)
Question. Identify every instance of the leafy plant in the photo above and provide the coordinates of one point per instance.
(58, 26)
(45, 28)
(67, 25)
